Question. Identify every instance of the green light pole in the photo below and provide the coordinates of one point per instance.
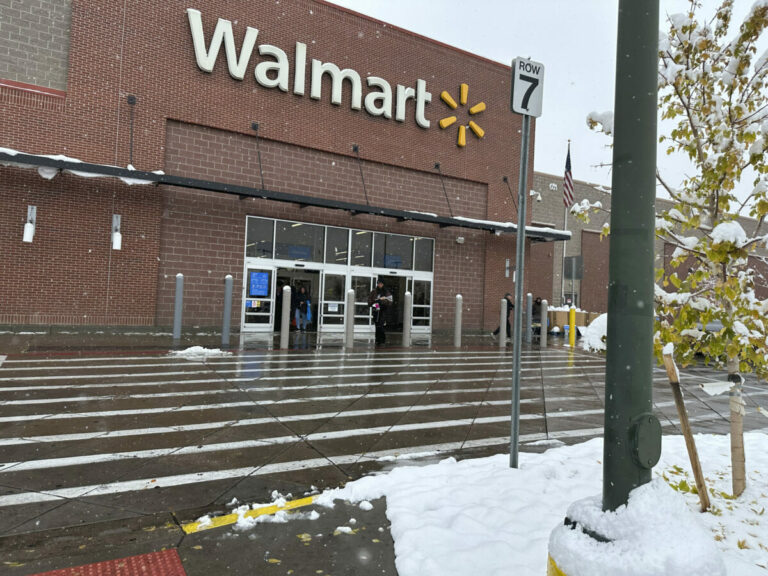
(632, 432)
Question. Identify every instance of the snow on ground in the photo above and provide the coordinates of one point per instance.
(715, 388)
(593, 338)
(654, 534)
(478, 516)
(198, 353)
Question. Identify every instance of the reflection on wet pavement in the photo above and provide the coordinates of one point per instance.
(91, 437)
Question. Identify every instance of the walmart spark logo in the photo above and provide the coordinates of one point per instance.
(450, 120)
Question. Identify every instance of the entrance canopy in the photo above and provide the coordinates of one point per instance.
(49, 166)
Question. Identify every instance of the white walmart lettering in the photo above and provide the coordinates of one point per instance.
(274, 70)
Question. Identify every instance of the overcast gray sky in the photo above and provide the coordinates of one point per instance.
(574, 39)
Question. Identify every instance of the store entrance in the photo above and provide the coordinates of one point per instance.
(296, 278)
(397, 286)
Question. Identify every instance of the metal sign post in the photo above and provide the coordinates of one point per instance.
(527, 90)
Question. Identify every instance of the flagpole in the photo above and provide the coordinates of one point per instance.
(565, 242)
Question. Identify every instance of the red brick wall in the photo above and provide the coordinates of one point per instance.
(760, 267)
(211, 228)
(755, 263)
(152, 58)
(540, 267)
(594, 283)
(69, 274)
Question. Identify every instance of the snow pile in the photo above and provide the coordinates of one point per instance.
(730, 232)
(562, 309)
(245, 522)
(585, 206)
(593, 338)
(654, 534)
(479, 516)
(715, 388)
(198, 353)
(507, 225)
(49, 172)
(604, 119)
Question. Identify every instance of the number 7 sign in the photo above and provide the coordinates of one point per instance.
(527, 87)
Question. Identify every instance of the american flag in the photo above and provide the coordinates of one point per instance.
(568, 181)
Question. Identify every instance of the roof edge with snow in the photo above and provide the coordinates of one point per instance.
(10, 157)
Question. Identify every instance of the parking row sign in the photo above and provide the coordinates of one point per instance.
(527, 87)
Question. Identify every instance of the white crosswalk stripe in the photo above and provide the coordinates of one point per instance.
(195, 422)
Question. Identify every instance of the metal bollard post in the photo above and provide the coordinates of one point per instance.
(457, 321)
(503, 323)
(285, 320)
(225, 327)
(407, 315)
(178, 304)
(528, 318)
(349, 320)
(572, 323)
(544, 324)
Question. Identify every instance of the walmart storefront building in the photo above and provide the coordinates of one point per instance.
(281, 143)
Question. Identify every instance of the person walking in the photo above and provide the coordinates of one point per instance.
(536, 311)
(301, 304)
(537, 322)
(380, 300)
(510, 308)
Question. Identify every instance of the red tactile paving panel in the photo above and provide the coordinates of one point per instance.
(165, 563)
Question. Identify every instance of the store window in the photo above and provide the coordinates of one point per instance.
(259, 236)
(299, 241)
(362, 248)
(337, 245)
(393, 251)
(424, 250)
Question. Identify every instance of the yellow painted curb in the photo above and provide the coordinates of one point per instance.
(552, 568)
(228, 519)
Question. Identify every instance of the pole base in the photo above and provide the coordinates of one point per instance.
(552, 568)
(654, 534)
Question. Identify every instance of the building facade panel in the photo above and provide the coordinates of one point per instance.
(34, 42)
(69, 273)
(594, 283)
(551, 211)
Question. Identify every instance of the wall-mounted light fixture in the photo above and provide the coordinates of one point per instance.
(460, 240)
(29, 225)
(117, 237)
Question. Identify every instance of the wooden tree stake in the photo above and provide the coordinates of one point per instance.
(674, 382)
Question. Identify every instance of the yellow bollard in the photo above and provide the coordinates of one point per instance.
(552, 568)
(572, 329)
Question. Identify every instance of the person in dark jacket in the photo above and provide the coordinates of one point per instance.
(380, 301)
(536, 311)
(510, 308)
(300, 305)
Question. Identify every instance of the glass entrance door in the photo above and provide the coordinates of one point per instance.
(362, 285)
(332, 302)
(422, 304)
(259, 299)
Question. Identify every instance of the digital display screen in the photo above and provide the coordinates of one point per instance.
(258, 284)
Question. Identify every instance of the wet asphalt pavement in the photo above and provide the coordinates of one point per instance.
(109, 444)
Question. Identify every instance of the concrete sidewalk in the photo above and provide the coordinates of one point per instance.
(299, 546)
